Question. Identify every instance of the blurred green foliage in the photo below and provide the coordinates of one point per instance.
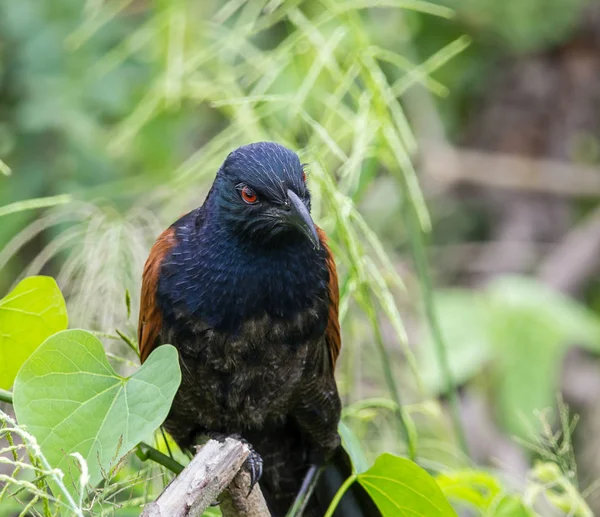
(521, 27)
(519, 330)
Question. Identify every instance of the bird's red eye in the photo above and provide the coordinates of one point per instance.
(304, 176)
(248, 195)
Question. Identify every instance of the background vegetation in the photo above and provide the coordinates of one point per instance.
(453, 151)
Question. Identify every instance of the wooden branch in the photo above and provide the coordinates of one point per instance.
(236, 501)
(575, 260)
(214, 471)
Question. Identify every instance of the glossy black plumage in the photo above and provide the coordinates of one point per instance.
(250, 300)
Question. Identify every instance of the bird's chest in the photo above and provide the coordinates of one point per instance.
(237, 381)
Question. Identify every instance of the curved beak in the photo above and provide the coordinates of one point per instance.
(299, 217)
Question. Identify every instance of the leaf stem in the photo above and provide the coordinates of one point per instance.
(339, 494)
(128, 342)
(6, 396)
(147, 452)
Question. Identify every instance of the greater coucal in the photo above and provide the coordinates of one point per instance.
(246, 289)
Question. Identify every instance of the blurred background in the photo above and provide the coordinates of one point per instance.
(453, 150)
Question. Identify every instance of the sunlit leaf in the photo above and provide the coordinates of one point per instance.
(476, 488)
(31, 312)
(400, 487)
(5, 169)
(72, 400)
(512, 506)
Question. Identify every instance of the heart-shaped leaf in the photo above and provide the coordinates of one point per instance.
(400, 487)
(71, 399)
(31, 312)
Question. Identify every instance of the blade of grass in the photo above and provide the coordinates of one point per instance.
(31, 204)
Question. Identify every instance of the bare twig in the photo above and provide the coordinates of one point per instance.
(214, 470)
(576, 259)
(501, 170)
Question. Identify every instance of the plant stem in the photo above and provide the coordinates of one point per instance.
(420, 259)
(128, 342)
(6, 396)
(147, 452)
(404, 427)
(338, 496)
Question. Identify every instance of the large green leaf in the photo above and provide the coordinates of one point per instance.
(31, 312)
(71, 400)
(401, 488)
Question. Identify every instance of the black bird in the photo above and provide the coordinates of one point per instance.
(246, 289)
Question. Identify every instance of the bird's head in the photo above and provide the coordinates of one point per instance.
(261, 194)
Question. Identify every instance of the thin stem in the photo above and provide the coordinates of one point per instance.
(6, 396)
(128, 342)
(58, 480)
(164, 435)
(389, 375)
(339, 494)
(30, 204)
(147, 452)
(308, 486)
(420, 259)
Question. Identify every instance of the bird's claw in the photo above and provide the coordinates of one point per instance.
(254, 466)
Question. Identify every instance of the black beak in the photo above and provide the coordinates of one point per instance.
(299, 217)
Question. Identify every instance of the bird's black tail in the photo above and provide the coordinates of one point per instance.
(356, 502)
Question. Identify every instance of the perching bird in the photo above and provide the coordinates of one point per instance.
(246, 289)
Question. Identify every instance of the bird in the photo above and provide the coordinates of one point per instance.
(246, 288)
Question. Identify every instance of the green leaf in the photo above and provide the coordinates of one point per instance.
(468, 346)
(71, 400)
(530, 350)
(400, 488)
(573, 320)
(5, 169)
(522, 329)
(353, 447)
(531, 328)
(473, 487)
(30, 313)
(512, 506)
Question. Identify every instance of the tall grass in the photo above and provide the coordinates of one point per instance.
(308, 74)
